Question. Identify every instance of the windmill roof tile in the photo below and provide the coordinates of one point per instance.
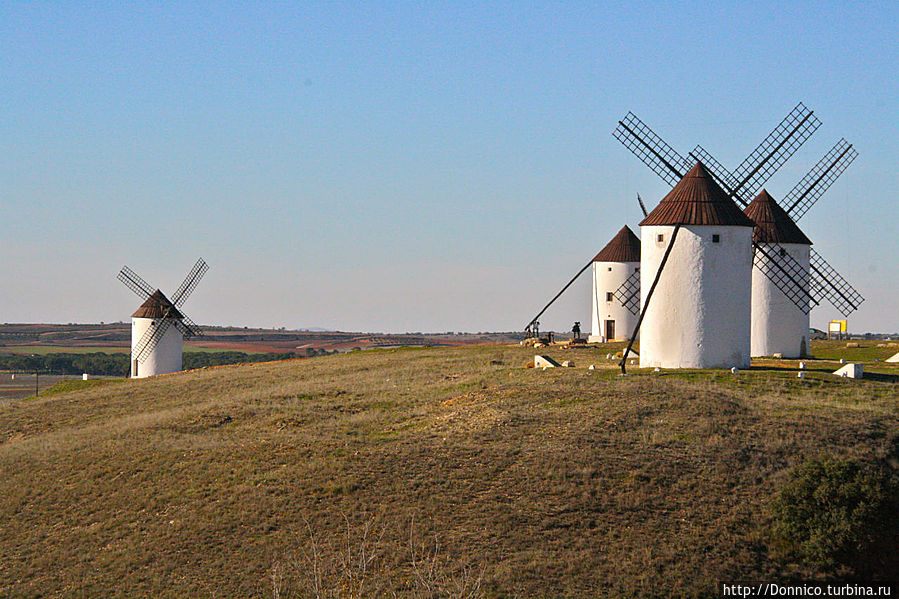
(697, 200)
(772, 223)
(624, 247)
(157, 306)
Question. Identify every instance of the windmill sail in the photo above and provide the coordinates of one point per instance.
(818, 180)
(190, 282)
(628, 293)
(828, 284)
(651, 149)
(774, 151)
(136, 284)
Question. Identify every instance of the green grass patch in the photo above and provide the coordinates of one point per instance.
(76, 385)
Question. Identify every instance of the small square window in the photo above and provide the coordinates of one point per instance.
(716, 238)
(608, 296)
(610, 269)
(660, 238)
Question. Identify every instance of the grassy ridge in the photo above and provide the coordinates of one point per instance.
(564, 482)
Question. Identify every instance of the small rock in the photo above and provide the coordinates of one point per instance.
(802, 366)
(734, 370)
(568, 364)
(778, 356)
(657, 369)
(608, 356)
(852, 344)
(842, 360)
(591, 367)
(800, 375)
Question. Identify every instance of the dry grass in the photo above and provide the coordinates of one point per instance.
(565, 482)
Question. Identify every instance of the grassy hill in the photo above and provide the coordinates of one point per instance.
(415, 469)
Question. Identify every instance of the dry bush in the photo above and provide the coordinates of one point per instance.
(361, 563)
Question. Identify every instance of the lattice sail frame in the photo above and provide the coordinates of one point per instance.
(651, 149)
(154, 333)
(775, 150)
(829, 284)
(628, 293)
(136, 284)
(818, 180)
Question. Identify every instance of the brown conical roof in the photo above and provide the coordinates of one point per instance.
(624, 247)
(697, 200)
(156, 306)
(772, 223)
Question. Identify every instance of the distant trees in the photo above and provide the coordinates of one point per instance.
(116, 364)
(93, 363)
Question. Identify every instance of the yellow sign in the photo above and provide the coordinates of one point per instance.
(837, 326)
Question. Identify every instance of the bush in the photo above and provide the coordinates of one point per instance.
(842, 515)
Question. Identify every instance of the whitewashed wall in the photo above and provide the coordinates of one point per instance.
(165, 358)
(699, 316)
(778, 325)
(608, 277)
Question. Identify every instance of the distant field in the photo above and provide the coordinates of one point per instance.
(865, 351)
(455, 463)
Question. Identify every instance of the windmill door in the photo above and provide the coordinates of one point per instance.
(610, 330)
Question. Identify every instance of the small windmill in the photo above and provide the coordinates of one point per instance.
(625, 283)
(614, 315)
(783, 271)
(159, 326)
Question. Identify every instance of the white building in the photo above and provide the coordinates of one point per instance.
(612, 266)
(778, 325)
(165, 357)
(699, 314)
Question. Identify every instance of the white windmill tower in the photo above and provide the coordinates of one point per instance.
(700, 318)
(158, 326)
(779, 325)
(616, 288)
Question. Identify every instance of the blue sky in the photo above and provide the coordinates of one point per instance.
(399, 167)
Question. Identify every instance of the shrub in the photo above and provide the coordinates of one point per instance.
(842, 515)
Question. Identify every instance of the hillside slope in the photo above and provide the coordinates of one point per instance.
(564, 482)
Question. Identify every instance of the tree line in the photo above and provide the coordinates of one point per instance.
(117, 364)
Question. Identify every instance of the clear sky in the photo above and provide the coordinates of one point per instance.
(409, 166)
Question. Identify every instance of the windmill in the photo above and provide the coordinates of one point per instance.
(786, 138)
(615, 294)
(701, 319)
(623, 282)
(159, 326)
